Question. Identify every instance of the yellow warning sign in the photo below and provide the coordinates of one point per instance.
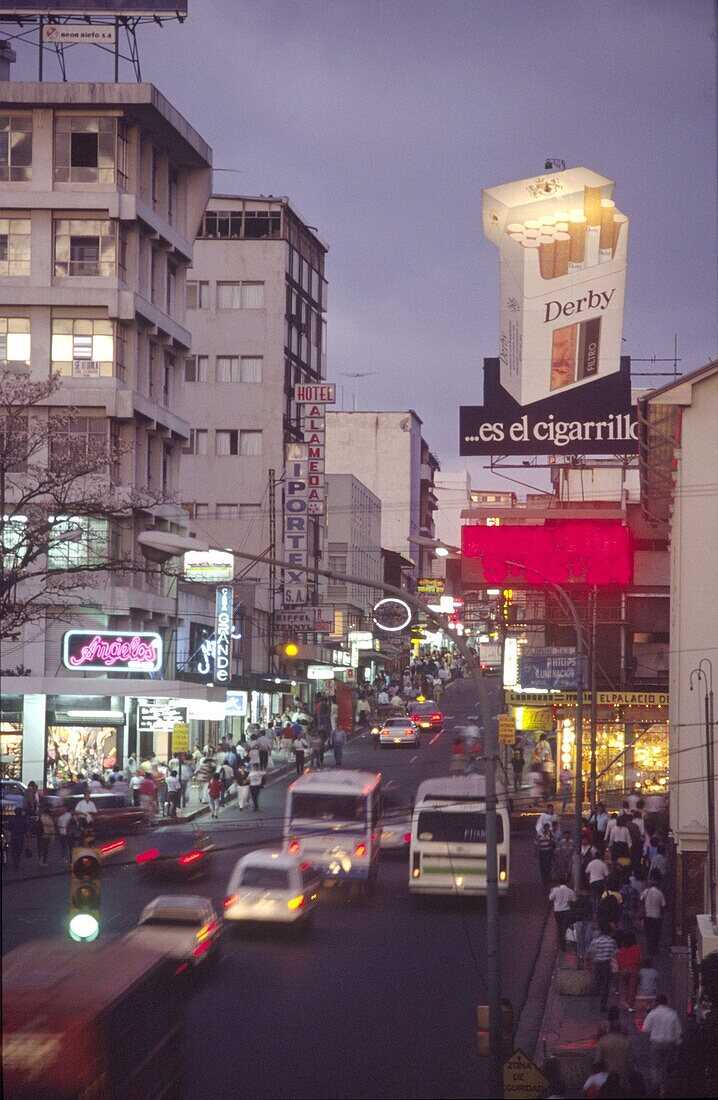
(180, 738)
(507, 729)
(522, 1078)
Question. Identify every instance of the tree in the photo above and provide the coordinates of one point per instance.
(61, 502)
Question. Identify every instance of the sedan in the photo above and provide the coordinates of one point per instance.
(13, 795)
(427, 716)
(271, 886)
(176, 853)
(184, 927)
(398, 731)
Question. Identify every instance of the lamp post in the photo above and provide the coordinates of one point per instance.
(699, 673)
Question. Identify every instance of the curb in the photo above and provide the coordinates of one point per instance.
(538, 1004)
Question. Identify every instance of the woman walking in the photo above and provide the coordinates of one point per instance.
(256, 779)
(215, 794)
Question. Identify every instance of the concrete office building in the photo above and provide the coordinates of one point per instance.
(102, 190)
(354, 546)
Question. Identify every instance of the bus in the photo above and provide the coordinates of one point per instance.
(91, 1021)
(447, 853)
(333, 819)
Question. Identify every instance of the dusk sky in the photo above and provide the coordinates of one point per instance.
(383, 121)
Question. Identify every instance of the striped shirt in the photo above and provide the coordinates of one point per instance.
(602, 948)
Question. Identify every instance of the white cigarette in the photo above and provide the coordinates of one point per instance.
(531, 234)
(577, 232)
(515, 227)
(620, 223)
(532, 223)
(562, 226)
(549, 221)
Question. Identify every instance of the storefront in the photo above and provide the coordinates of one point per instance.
(11, 738)
(85, 736)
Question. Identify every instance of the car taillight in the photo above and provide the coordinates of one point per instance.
(415, 717)
(436, 717)
(230, 900)
(296, 903)
(407, 837)
(360, 849)
(207, 929)
(201, 948)
(113, 846)
(190, 857)
(294, 847)
(181, 968)
(145, 857)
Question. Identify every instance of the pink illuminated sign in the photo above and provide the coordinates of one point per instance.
(111, 651)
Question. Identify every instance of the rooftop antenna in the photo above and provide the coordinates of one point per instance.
(675, 373)
(356, 375)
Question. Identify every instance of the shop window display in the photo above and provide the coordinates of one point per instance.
(10, 750)
(79, 750)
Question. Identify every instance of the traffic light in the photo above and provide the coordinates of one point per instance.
(85, 882)
(288, 650)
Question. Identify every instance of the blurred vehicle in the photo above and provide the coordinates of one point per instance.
(13, 795)
(116, 815)
(183, 926)
(91, 1019)
(271, 886)
(333, 819)
(396, 811)
(380, 715)
(398, 731)
(426, 716)
(175, 852)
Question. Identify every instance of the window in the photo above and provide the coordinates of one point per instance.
(14, 444)
(250, 443)
(201, 511)
(201, 436)
(240, 295)
(85, 246)
(172, 192)
(227, 368)
(14, 246)
(262, 224)
(80, 439)
(82, 348)
(85, 149)
(170, 289)
(251, 368)
(234, 225)
(225, 442)
(197, 294)
(77, 541)
(246, 511)
(14, 541)
(227, 511)
(15, 148)
(224, 224)
(196, 368)
(14, 341)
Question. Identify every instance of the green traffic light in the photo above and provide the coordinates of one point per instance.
(84, 928)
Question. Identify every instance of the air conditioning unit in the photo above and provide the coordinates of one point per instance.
(85, 368)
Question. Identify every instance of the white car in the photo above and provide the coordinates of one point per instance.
(398, 731)
(185, 927)
(271, 886)
(396, 815)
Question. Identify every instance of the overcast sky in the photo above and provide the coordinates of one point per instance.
(383, 121)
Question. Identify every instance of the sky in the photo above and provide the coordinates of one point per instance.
(383, 121)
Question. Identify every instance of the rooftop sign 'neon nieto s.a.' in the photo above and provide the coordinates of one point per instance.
(591, 552)
(111, 651)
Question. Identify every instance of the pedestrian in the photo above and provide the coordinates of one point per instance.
(256, 780)
(204, 774)
(242, 786)
(599, 823)
(664, 1031)
(214, 789)
(601, 955)
(85, 809)
(562, 897)
(18, 832)
(253, 756)
(629, 961)
(621, 842)
(545, 845)
(67, 830)
(184, 774)
(653, 905)
(564, 853)
(608, 910)
(173, 793)
(135, 783)
(613, 1052)
(31, 802)
(148, 796)
(596, 873)
(46, 832)
(565, 778)
(630, 907)
(518, 764)
(287, 741)
(548, 817)
(263, 746)
(658, 865)
(226, 778)
(300, 749)
(339, 740)
(582, 917)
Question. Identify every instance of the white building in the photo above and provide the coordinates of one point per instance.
(102, 189)
(354, 547)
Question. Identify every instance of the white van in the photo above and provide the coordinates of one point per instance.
(447, 852)
(333, 819)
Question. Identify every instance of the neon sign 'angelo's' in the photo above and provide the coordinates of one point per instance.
(116, 650)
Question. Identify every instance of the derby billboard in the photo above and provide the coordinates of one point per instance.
(562, 252)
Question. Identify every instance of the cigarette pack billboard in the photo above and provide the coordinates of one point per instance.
(562, 255)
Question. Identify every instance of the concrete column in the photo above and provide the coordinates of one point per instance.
(34, 721)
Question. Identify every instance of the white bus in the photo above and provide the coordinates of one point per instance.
(447, 852)
(333, 820)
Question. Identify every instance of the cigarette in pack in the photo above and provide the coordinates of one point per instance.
(577, 233)
(548, 221)
(592, 212)
(561, 254)
(531, 234)
(605, 250)
(533, 223)
(514, 228)
(547, 247)
(562, 225)
(619, 221)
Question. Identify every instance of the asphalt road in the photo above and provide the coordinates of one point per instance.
(377, 999)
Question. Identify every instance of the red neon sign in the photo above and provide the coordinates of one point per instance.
(112, 651)
(591, 552)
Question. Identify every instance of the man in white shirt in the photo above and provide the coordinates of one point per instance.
(382, 698)
(546, 818)
(664, 1030)
(562, 897)
(653, 905)
(85, 809)
(597, 873)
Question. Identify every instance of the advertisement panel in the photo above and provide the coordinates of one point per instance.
(562, 250)
(553, 669)
(562, 552)
(161, 8)
(208, 566)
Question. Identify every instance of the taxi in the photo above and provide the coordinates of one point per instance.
(272, 887)
(426, 715)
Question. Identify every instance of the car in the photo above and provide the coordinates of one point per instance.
(398, 731)
(427, 716)
(185, 927)
(272, 886)
(174, 852)
(396, 811)
(13, 795)
(116, 815)
(380, 715)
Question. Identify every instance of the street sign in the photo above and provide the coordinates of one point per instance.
(552, 671)
(522, 1078)
(507, 729)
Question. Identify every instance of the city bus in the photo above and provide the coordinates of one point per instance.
(100, 1020)
(447, 853)
(333, 820)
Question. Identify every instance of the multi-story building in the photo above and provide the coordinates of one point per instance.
(354, 547)
(256, 305)
(102, 188)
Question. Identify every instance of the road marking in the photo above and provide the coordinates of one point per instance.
(435, 737)
(413, 759)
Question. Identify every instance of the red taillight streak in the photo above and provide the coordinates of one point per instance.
(202, 947)
(113, 846)
(230, 900)
(294, 847)
(435, 737)
(190, 857)
(145, 857)
(407, 837)
(436, 717)
(181, 967)
(360, 849)
(415, 717)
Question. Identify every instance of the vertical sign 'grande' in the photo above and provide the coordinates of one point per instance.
(224, 610)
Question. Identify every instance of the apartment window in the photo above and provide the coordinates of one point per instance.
(77, 439)
(262, 225)
(196, 368)
(243, 295)
(77, 541)
(166, 469)
(227, 511)
(82, 348)
(14, 443)
(85, 246)
(15, 148)
(14, 246)
(250, 443)
(227, 369)
(201, 511)
(168, 367)
(170, 290)
(172, 193)
(155, 263)
(222, 224)
(85, 149)
(250, 368)
(197, 294)
(201, 438)
(120, 350)
(15, 341)
(115, 451)
(225, 442)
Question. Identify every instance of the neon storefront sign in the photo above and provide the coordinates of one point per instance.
(112, 651)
